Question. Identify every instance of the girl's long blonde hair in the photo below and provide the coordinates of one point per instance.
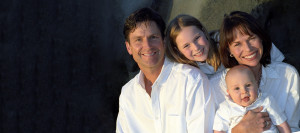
(172, 51)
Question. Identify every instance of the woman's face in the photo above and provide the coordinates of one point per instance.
(193, 44)
(246, 49)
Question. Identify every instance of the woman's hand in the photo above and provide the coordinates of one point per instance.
(254, 121)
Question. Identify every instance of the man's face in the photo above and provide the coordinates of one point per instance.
(146, 45)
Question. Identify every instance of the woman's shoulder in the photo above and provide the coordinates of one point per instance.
(281, 67)
(281, 70)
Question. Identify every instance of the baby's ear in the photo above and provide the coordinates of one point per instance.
(228, 92)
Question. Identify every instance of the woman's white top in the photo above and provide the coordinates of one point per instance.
(279, 80)
(230, 114)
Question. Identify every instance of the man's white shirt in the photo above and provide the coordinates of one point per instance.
(181, 101)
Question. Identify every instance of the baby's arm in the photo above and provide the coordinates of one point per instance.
(284, 127)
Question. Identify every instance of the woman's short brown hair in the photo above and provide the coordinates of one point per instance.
(246, 24)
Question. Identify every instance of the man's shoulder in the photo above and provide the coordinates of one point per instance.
(129, 86)
(186, 69)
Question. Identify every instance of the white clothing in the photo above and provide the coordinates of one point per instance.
(181, 101)
(279, 80)
(276, 55)
(208, 69)
(230, 114)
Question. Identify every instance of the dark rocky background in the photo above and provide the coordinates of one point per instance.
(63, 62)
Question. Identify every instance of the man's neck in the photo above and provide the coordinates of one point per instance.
(150, 75)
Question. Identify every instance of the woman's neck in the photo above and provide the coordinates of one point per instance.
(257, 72)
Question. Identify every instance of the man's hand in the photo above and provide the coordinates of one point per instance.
(254, 121)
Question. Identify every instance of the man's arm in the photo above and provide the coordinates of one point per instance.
(121, 122)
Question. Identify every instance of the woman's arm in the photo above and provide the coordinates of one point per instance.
(253, 122)
(284, 128)
(219, 131)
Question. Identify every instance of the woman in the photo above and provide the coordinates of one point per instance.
(188, 42)
(243, 41)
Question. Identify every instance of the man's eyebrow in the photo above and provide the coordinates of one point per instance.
(135, 37)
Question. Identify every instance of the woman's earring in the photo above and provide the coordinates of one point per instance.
(231, 55)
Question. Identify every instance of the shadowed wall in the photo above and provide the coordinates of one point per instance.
(63, 62)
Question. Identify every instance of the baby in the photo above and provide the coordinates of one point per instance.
(243, 95)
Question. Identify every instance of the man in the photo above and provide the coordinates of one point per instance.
(165, 97)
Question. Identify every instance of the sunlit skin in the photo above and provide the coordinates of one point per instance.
(193, 44)
(146, 46)
(247, 49)
(241, 86)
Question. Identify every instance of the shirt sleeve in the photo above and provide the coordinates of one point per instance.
(292, 107)
(200, 109)
(222, 118)
(276, 54)
(121, 122)
(275, 112)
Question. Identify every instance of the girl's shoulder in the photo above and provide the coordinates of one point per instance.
(220, 74)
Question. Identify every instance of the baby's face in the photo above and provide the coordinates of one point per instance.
(242, 88)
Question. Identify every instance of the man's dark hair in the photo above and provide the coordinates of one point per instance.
(143, 15)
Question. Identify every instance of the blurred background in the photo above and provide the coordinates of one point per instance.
(63, 62)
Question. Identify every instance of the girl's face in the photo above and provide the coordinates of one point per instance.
(193, 44)
(246, 49)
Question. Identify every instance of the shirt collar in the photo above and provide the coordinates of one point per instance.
(267, 73)
(206, 68)
(162, 77)
(164, 74)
